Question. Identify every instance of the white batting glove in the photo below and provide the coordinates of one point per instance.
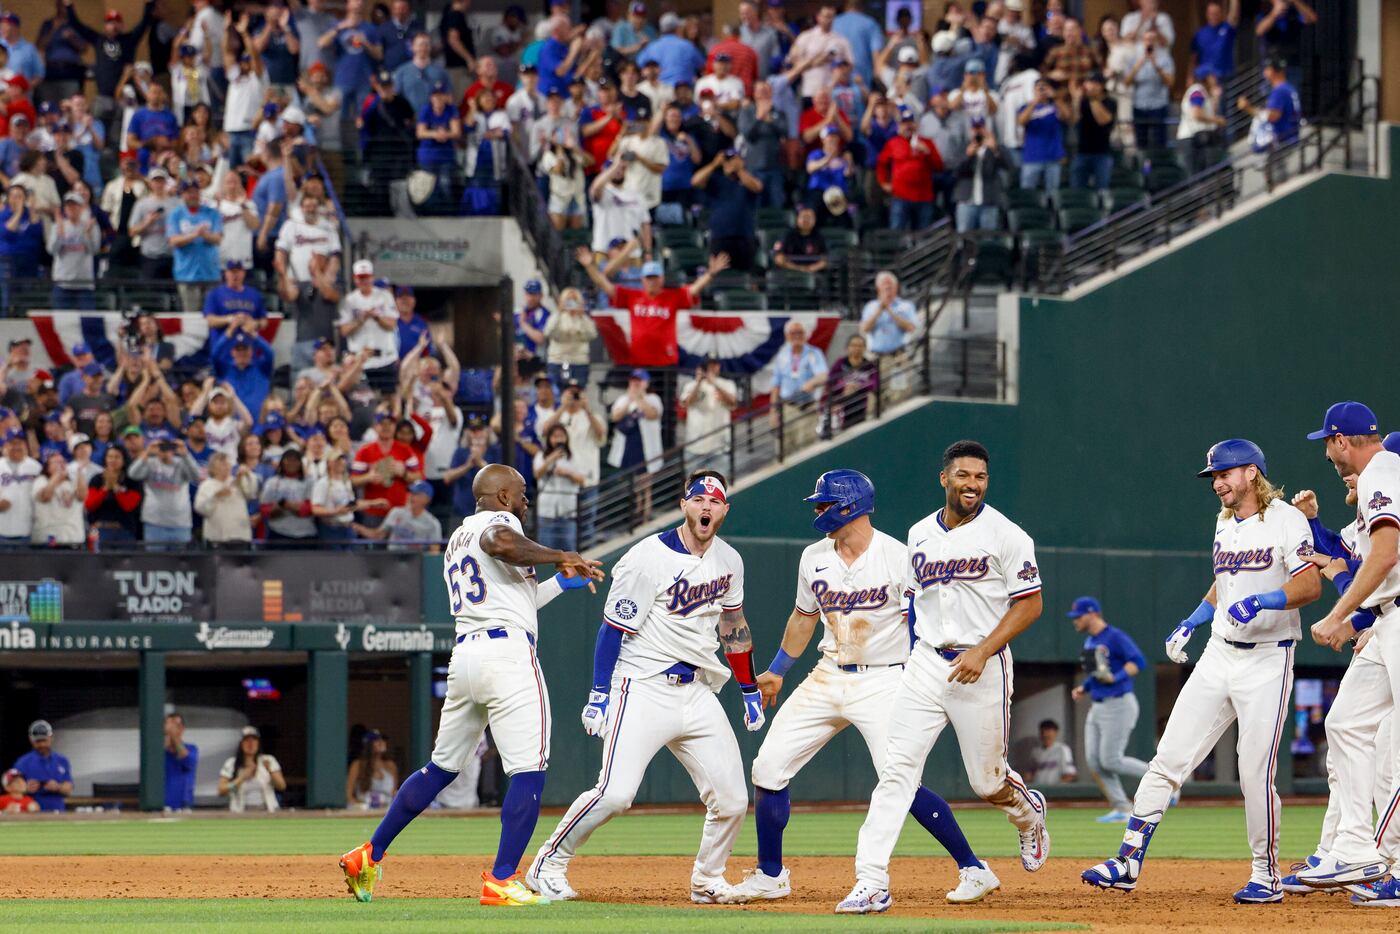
(753, 710)
(595, 713)
(1176, 643)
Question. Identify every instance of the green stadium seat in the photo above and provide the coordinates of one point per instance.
(737, 300)
(1162, 177)
(1024, 198)
(732, 280)
(1073, 198)
(839, 236)
(680, 236)
(1019, 219)
(1030, 244)
(1076, 219)
(994, 264)
(1116, 199)
(774, 217)
(1125, 176)
(1158, 155)
(684, 259)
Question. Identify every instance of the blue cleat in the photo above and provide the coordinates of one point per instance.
(1256, 893)
(1113, 873)
(1377, 894)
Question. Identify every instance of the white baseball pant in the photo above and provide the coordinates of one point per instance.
(645, 714)
(1252, 686)
(497, 683)
(980, 714)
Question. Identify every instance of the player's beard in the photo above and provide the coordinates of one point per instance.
(955, 503)
(710, 531)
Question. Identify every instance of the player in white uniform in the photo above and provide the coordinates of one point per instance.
(655, 676)
(493, 679)
(1262, 577)
(1334, 556)
(975, 585)
(854, 581)
(1371, 685)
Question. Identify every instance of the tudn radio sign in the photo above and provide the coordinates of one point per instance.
(156, 595)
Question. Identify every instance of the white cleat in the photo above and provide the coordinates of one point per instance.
(1035, 843)
(864, 900)
(759, 886)
(974, 884)
(553, 886)
(718, 892)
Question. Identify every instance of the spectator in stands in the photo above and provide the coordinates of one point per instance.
(383, 469)
(1150, 75)
(568, 336)
(563, 165)
(1043, 121)
(48, 775)
(617, 212)
(1052, 761)
(333, 502)
(167, 470)
(24, 58)
(645, 154)
(74, 242)
(239, 217)
(15, 799)
(114, 52)
(286, 503)
(683, 155)
(1148, 17)
(709, 400)
(234, 304)
(153, 129)
(415, 77)
(222, 501)
(732, 194)
(113, 500)
(949, 130)
(679, 59)
(888, 321)
(189, 81)
(486, 129)
(133, 443)
(18, 472)
(802, 248)
(559, 478)
(388, 127)
(308, 266)
(324, 106)
(71, 383)
(245, 362)
(1214, 43)
(250, 776)
(359, 51)
(824, 46)
(799, 371)
(852, 380)
(1095, 114)
(823, 114)
(226, 418)
(1198, 136)
(58, 506)
(636, 444)
(181, 763)
(487, 78)
(978, 190)
(194, 231)
(1070, 62)
(632, 34)
(905, 168)
(439, 129)
(829, 167)
(467, 461)
(21, 240)
(723, 85)
(369, 321)
(653, 308)
(373, 777)
(1280, 26)
(148, 221)
(410, 325)
(396, 32)
(1282, 110)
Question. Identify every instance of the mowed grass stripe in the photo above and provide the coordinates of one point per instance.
(1187, 832)
(440, 914)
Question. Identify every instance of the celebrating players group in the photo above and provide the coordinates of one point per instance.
(916, 637)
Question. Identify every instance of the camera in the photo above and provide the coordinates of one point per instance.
(629, 156)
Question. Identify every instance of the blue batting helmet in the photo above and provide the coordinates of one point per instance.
(850, 493)
(1236, 452)
(1391, 442)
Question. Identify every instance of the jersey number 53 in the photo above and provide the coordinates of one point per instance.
(469, 569)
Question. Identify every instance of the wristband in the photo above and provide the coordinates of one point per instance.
(741, 663)
(1202, 614)
(782, 663)
(1273, 600)
(1342, 581)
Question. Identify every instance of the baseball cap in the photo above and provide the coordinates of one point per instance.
(616, 242)
(10, 18)
(113, 16)
(14, 434)
(12, 774)
(241, 339)
(528, 69)
(533, 287)
(731, 152)
(831, 131)
(19, 118)
(77, 438)
(723, 57)
(362, 267)
(271, 423)
(975, 66)
(93, 369)
(317, 66)
(194, 417)
(79, 349)
(683, 83)
(47, 107)
(639, 9)
(383, 416)
(130, 430)
(640, 374)
(40, 729)
(905, 113)
(20, 340)
(908, 56)
(158, 175)
(385, 76)
(188, 49)
(1098, 75)
(186, 185)
(234, 264)
(403, 290)
(294, 115)
(554, 91)
(1083, 605)
(422, 486)
(251, 731)
(1346, 418)
(706, 92)
(1201, 72)
(652, 268)
(979, 121)
(440, 87)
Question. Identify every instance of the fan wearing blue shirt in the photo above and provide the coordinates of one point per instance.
(1214, 42)
(49, 776)
(154, 121)
(1110, 659)
(411, 325)
(225, 303)
(359, 51)
(245, 362)
(181, 762)
(679, 59)
(557, 56)
(195, 231)
(24, 56)
(1283, 109)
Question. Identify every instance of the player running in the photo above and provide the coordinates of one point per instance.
(655, 677)
(975, 587)
(853, 579)
(1369, 689)
(493, 679)
(1262, 577)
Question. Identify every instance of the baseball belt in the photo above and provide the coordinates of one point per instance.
(500, 632)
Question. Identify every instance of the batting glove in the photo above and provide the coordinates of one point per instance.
(753, 710)
(570, 583)
(1245, 610)
(1176, 643)
(595, 713)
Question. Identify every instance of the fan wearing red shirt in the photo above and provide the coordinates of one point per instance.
(601, 124)
(905, 170)
(15, 801)
(743, 61)
(652, 308)
(822, 114)
(486, 77)
(384, 468)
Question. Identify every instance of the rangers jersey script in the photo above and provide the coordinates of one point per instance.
(964, 579)
(1378, 503)
(667, 603)
(1257, 555)
(484, 592)
(861, 606)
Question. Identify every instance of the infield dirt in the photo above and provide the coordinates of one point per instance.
(1175, 895)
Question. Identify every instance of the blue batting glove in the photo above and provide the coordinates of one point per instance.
(1245, 610)
(753, 709)
(570, 583)
(595, 713)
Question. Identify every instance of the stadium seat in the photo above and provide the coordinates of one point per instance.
(994, 264)
(1030, 244)
(1019, 219)
(1125, 176)
(767, 237)
(738, 300)
(732, 280)
(680, 237)
(685, 259)
(1024, 198)
(774, 217)
(1162, 177)
(839, 236)
(1063, 198)
(576, 237)
(1157, 156)
(1076, 219)
(1116, 199)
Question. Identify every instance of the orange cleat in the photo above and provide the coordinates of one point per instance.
(361, 872)
(508, 893)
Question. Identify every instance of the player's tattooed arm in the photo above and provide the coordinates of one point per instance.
(505, 544)
(734, 634)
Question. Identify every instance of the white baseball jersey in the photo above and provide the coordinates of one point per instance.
(1377, 489)
(861, 606)
(486, 592)
(667, 603)
(384, 345)
(1253, 556)
(16, 488)
(964, 579)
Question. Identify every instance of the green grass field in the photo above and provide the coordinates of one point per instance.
(1192, 832)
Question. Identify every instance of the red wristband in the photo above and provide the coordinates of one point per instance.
(741, 663)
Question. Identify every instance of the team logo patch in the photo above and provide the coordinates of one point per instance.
(625, 609)
(1305, 549)
(1028, 572)
(1379, 501)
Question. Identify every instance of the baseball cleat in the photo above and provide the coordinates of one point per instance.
(1291, 885)
(508, 893)
(865, 899)
(554, 887)
(1377, 894)
(1257, 893)
(1035, 843)
(759, 886)
(718, 892)
(974, 884)
(1113, 873)
(1333, 873)
(1112, 817)
(361, 872)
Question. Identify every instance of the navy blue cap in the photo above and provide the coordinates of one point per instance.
(235, 264)
(640, 374)
(80, 348)
(93, 369)
(1346, 418)
(1391, 442)
(159, 435)
(14, 434)
(188, 49)
(320, 342)
(533, 287)
(241, 339)
(1083, 605)
(307, 431)
(275, 420)
(193, 417)
(440, 87)
(54, 417)
(616, 242)
(403, 290)
(422, 486)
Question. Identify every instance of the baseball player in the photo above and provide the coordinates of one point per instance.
(975, 586)
(1111, 660)
(493, 679)
(655, 677)
(853, 580)
(1333, 556)
(1371, 684)
(1262, 577)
